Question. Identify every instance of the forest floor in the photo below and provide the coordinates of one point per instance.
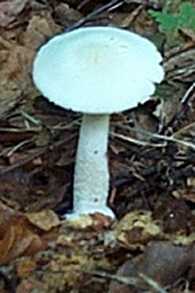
(150, 247)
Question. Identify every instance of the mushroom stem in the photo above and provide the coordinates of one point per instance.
(91, 181)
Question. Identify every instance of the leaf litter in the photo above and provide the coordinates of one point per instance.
(150, 247)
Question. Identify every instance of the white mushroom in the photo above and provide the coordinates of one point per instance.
(96, 71)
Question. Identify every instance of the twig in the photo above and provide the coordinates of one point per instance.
(153, 135)
(18, 146)
(30, 118)
(31, 157)
(19, 130)
(111, 5)
(136, 141)
(172, 139)
(130, 281)
(153, 284)
(131, 17)
(82, 4)
(185, 129)
(66, 126)
(185, 103)
(23, 162)
(188, 94)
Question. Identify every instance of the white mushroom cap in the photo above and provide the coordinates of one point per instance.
(97, 70)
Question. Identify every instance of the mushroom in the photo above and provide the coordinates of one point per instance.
(96, 71)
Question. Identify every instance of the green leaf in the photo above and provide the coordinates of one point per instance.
(172, 22)
(186, 15)
(167, 21)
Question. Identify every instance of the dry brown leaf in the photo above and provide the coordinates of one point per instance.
(15, 78)
(25, 267)
(66, 15)
(162, 261)
(44, 220)
(6, 213)
(186, 194)
(137, 228)
(17, 58)
(9, 11)
(181, 239)
(39, 29)
(29, 285)
(6, 244)
(18, 240)
(189, 33)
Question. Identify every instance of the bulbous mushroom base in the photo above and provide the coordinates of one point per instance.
(75, 215)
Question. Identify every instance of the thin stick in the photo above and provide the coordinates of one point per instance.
(108, 6)
(136, 141)
(120, 279)
(154, 135)
(18, 146)
(130, 281)
(185, 101)
(153, 284)
(188, 93)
